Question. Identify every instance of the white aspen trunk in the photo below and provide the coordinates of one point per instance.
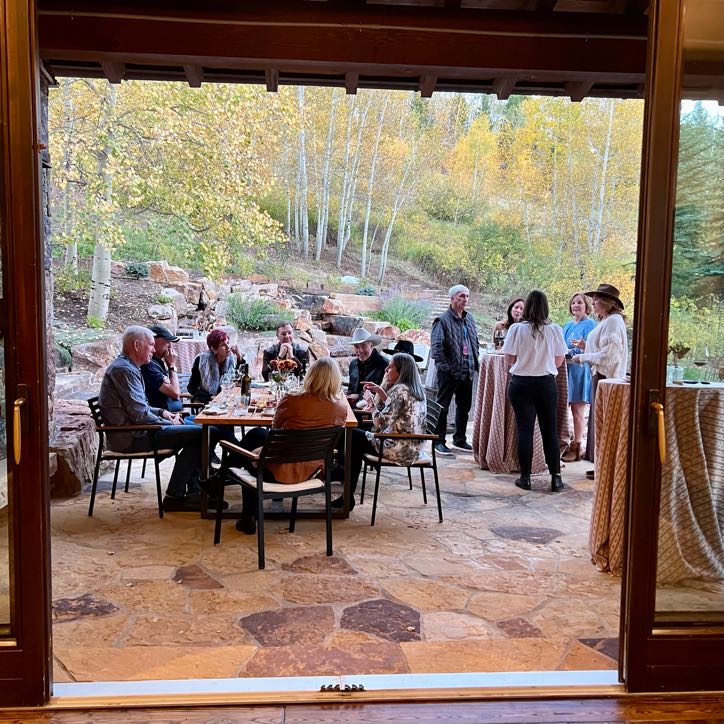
(323, 207)
(303, 202)
(354, 176)
(573, 211)
(345, 185)
(370, 186)
(71, 248)
(396, 206)
(100, 293)
(602, 186)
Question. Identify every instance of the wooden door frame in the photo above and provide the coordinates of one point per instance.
(683, 658)
(25, 662)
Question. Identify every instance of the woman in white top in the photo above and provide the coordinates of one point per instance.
(606, 350)
(535, 349)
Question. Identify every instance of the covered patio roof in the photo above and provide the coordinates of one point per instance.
(574, 48)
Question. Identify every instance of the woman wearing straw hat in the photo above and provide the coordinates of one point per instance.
(606, 350)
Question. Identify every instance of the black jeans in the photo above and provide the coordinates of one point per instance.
(533, 397)
(447, 386)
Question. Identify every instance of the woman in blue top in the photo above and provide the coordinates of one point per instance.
(579, 376)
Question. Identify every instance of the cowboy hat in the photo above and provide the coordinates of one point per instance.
(362, 335)
(404, 345)
(609, 292)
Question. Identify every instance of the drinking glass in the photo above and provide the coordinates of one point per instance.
(700, 358)
(244, 404)
(227, 388)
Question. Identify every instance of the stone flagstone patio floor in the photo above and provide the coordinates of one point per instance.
(504, 584)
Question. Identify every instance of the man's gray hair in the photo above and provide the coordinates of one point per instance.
(456, 289)
(134, 332)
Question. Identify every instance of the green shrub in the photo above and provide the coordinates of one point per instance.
(63, 355)
(95, 322)
(367, 291)
(137, 269)
(254, 314)
(403, 313)
(164, 299)
(67, 279)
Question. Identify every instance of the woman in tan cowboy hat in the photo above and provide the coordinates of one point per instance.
(606, 349)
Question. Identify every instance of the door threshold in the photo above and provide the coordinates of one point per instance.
(308, 689)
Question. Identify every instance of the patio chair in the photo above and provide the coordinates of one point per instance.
(282, 446)
(186, 400)
(423, 462)
(157, 455)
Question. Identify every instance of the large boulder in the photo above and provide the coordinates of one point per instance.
(416, 336)
(313, 303)
(176, 275)
(355, 303)
(164, 314)
(341, 324)
(178, 300)
(75, 444)
(332, 306)
(95, 356)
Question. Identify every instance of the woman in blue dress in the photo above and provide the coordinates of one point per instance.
(579, 376)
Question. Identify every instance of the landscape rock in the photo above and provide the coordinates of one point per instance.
(95, 356)
(164, 314)
(313, 303)
(386, 331)
(176, 275)
(157, 271)
(75, 444)
(191, 292)
(178, 299)
(332, 306)
(342, 324)
(417, 336)
(258, 279)
(355, 303)
(118, 269)
(303, 320)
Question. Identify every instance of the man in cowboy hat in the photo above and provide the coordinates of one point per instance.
(454, 347)
(403, 345)
(369, 365)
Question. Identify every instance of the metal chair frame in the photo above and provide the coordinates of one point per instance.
(154, 454)
(378, 461)
(282, 446)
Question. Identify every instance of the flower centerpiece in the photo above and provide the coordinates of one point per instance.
(281, 369)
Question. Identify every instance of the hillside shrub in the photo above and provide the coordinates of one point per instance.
(137, 269)
(254, 314)
(66, 279)
(403, 313)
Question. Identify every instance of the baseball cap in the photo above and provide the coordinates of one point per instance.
(161, 331)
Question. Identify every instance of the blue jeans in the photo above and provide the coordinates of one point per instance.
(187, 470)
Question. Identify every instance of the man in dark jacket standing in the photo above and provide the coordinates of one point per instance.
(454, 347)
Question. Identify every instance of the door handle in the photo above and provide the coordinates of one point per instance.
(658, 409)
(17, 429)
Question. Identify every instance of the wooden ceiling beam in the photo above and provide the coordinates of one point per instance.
(271, 78)
(427, 85)
(351, 81)
(359, 15)
(503, 87)
(194, 74)
(113, 70)
(578, 90)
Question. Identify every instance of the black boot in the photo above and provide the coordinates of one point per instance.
(523, 482)
(556, 483)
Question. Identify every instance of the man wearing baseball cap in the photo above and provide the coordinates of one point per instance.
(160, 377)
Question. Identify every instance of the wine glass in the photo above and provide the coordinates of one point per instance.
(700, 357)
(227, 387)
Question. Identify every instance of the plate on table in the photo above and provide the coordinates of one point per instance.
(268, 412)
(213, 411)
(260, 384)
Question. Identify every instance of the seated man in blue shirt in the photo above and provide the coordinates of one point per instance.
(122, 400)
(159, 375)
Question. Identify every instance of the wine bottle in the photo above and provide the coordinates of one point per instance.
(245, 381)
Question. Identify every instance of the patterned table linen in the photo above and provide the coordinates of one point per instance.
(495, 440)
(187, 351)
(691, 517)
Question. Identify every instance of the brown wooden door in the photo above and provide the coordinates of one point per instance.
(678, 648)
(24, 510)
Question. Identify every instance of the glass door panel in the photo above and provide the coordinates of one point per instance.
(5, 593)
(690, 557)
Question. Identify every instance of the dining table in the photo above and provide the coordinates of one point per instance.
(227, 410)
(495, 437)
(691, 513)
